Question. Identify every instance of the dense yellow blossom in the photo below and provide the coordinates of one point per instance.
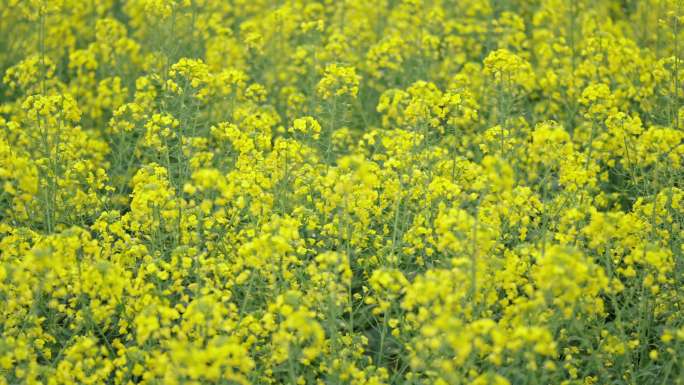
(473, 192)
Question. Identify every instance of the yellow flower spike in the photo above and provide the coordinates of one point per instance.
(509, 69)
(338, 81)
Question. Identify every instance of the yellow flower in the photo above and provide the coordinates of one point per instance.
(338, 81)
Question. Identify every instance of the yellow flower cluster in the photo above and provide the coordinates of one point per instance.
(358, 192)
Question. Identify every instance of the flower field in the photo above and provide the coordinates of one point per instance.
(362, 192)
